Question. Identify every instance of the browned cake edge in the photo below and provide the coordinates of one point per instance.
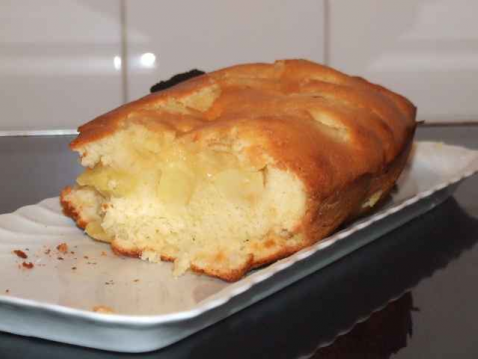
(70, 210)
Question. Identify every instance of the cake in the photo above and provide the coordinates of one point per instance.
(240, 167)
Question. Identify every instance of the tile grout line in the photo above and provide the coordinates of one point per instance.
(326, 29)
(38, 133)
(124, 51)
(71, 132)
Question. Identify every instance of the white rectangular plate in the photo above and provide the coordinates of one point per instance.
(55, 299)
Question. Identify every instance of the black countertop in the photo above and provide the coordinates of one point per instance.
(429, 267)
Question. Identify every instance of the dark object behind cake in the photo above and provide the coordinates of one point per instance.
(163, 85)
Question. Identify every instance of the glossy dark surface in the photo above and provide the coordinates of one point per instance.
(430, 266)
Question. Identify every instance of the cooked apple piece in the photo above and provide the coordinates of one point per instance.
(94, 229)
(108, 181)
(176, 185)
(240, 185)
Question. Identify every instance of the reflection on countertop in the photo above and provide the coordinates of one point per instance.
(383, 334)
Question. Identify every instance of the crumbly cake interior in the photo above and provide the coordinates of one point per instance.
(166, 198)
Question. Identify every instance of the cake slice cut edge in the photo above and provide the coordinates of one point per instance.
(207, 209)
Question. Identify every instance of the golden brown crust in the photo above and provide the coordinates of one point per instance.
(255, 88)
(385, 181)
(345, 138)
(69, 208)
(128, 252)
(229, 275)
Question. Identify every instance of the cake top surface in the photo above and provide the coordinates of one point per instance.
(338, 125)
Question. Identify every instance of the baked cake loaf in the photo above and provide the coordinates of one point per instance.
(240, 167)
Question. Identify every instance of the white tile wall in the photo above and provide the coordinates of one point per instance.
(56, 62)
(212, 34)
(425, 49)
(58, 69)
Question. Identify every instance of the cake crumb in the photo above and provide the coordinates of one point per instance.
(73, 268)
(7, 291)
(103, 254)
(20, 253)
(28, 265)
(103, 309)
(86, 257)
(63, 248)
(48, 251)
(60, 258)
(136, 280)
